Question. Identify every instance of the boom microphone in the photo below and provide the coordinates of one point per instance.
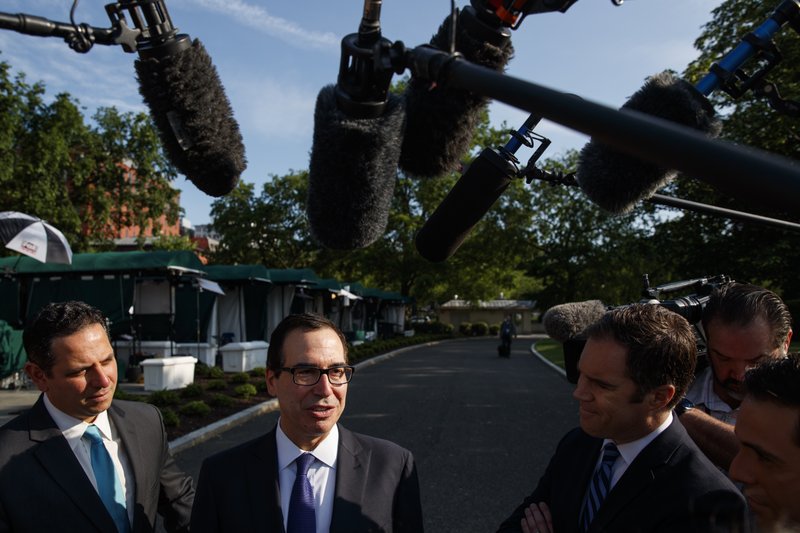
(188, 104)
(440, 121)
(617, 181)
(473, 195)
(566, 321)
(358, 130)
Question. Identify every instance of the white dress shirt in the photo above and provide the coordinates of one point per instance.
(73, 430)
(321, 475)
(629, 451)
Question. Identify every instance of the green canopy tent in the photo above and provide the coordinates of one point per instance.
(243, 312)
(289, 293)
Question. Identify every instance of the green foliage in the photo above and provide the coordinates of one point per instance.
(164, 398)
(120, 394)
(258, 372)
(170, 417)
(195, 408)
(240, 377)
(216, 372)
(221, 400)
(76, 176)
(217, 384)
(192, 390)
(465, 328)
(494, 330)
(245, 390)
(480, 329)
(201, 370)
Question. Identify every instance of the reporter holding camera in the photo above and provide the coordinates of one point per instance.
(744, 326)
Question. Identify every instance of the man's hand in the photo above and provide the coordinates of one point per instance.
(537, 519)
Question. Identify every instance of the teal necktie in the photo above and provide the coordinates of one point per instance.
(108, 483)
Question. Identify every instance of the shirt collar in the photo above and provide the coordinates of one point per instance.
(630, 450)
(326, 451)
(73, 428)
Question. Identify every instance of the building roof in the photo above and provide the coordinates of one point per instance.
(509, 305)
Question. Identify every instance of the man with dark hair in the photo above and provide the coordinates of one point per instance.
(768, 429)
(745, 325)
(309, 473)
(78, 461)
(630, 466)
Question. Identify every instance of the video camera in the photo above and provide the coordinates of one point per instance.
(690, 307)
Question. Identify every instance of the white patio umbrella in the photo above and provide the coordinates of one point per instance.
(34, 237)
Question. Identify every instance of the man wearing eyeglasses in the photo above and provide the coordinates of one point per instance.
(309, 474)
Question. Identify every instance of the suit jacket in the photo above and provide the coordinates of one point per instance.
(44, 488)
(376, 488)
(670, 486)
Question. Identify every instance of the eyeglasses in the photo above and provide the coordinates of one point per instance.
(309, 375)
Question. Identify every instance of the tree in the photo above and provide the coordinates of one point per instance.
(86, 180)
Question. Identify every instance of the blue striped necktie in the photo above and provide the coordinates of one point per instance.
(301, 516)
(108, 483)
(599, 486)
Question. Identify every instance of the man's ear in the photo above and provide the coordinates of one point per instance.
(661, 396)
(271, 378)
(37, 375)
(788, 341)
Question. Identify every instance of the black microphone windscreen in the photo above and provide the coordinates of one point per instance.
(617, 181)
(470, 198)
(194, 118)
(441, 121)
(566, 321)
(352, 172)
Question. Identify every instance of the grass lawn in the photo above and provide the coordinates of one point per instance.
(552, 351)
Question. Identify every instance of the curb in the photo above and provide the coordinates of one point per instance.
(199, 435)
(548, 363)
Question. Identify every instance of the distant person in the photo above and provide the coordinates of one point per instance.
(745, 325)
(768, 429)
(507, 330)
(352, 483)
(78, 461)
(630, 466)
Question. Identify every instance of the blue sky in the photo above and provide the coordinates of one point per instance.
(273, 58)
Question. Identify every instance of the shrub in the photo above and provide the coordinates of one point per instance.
(171, 418)
(465, 328)
(261, 386)
(120, 394)
(192, 390)
(245, 390)
(164, 398)
(216, 372)
(195, 408)
(240, 377)
(480, 329)
(217, 384)
(201, 370)
(221, 400)
(494, 330)
(258, 372)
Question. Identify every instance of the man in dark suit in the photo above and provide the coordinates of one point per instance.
(76, 461)
(631, 466)
(309, 474)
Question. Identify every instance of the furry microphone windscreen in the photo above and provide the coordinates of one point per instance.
(352, 172)
(616, 181)
(565, 321)
(194, 118)
(441, 121)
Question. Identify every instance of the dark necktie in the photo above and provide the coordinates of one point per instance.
(108, 483)
(302, 518)
(599, 486)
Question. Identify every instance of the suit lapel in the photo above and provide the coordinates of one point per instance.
(56, 457)
(140, 462)
(640, 474)
(261, 484)
(352, 466)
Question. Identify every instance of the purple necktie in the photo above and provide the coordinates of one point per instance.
(302, 518)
